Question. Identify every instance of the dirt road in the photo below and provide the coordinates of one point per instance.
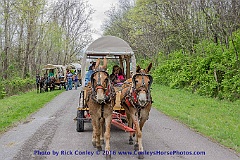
(51, 134)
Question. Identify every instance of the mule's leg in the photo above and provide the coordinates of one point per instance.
(138, 136)
(94, 125)
(130, 124)
(107, 135)
(144, 117)
(98, 144)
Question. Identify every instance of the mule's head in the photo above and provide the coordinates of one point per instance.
(141, 84)
(100, 82)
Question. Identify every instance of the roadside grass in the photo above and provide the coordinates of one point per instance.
(17, 108)
(217, 119)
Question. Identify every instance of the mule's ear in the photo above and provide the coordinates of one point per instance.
(97, 63)
(149, 67)
(138, 69)
(104, 63)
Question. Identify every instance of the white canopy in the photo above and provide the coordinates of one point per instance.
(75, 65)
(107, 46)
(49, 66)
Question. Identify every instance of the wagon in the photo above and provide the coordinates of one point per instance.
(58, 72)
(117, 50)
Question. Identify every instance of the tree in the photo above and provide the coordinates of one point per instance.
(73, 17)
(35, 34)
(5, 53)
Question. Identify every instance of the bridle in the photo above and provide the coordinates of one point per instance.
(131, 97)
(142, 87)
(108, 89)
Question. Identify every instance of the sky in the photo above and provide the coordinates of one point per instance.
(100, 6)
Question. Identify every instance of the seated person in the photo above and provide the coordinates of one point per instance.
(89, 73)
(115, 71)
(51, 74)
(119, 78)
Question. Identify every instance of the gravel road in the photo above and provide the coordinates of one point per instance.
(51, 134)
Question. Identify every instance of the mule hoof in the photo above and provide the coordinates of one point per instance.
(136, 147)
(99, 148)
(131, 142)
(108, 156)
(94, 144)
(140, 156)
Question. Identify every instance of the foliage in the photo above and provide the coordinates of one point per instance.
(35, 33)
(164, 26)
(213, 70)
(16, 86)
(143, 63)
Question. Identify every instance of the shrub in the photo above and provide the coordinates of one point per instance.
(213, 70)
(16, 86)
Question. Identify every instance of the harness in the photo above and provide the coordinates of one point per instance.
(132, 95)
(109, 90)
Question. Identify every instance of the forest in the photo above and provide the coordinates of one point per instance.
(34, 33)
(193, 44)
(37, 32)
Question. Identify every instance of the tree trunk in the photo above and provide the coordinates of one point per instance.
(6, 40)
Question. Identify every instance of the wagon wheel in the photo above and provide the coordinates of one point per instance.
(81, 99)
(80, 121)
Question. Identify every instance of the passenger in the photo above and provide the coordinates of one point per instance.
(51, 73)
(118, 77)
(89, 73)
(115, 71)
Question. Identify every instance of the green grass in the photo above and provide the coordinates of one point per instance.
(219, 120)
(17, 108)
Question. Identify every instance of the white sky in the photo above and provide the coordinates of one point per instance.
(100, 6)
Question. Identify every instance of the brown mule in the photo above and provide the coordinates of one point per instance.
(128, 82)
(137, 101)
(100, 100)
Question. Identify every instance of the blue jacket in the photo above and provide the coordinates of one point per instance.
(88, 76)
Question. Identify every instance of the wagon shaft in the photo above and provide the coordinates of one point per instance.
(122, 126)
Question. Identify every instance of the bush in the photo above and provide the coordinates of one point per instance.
(213, 70)
(16, 86)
